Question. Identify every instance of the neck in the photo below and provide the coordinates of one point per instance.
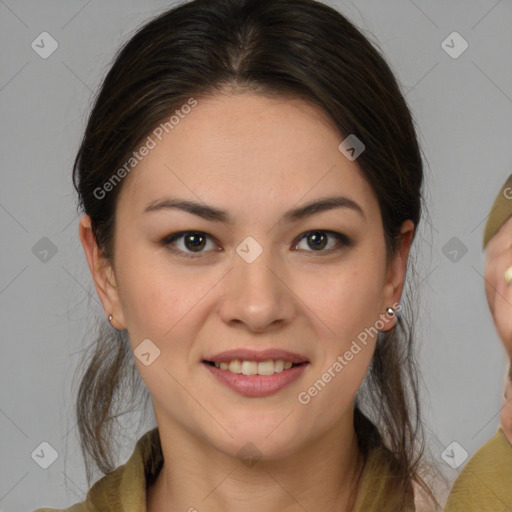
(195, 475)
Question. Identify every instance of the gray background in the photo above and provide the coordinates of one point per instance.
(463, 110)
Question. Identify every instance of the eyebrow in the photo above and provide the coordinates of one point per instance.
(214, 214)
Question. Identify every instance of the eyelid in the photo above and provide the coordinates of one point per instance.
(167, 242)
(342, 239)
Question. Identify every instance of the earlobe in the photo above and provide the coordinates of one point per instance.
(101, 271)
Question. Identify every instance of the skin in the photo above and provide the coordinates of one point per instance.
(255, 157)
(498, 257)
(506, 410)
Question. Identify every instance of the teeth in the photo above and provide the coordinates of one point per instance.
(254, 368)
(235, 366)
(250, 367)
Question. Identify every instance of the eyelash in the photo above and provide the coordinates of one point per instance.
(344, 240)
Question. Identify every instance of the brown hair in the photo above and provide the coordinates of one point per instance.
(293, 48)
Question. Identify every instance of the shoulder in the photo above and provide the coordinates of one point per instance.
(125, 487)
(103, 495)
(485, 480)
(77, 507)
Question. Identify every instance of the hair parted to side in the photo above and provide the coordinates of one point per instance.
(290, 48)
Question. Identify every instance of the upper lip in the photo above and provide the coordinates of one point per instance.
(257, 355)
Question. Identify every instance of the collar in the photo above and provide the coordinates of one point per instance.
(124, 489)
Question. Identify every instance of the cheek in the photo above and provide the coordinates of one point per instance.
(346, 299)
(144, 300)
(345, 304)
(152, 294)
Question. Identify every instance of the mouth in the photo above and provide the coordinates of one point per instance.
(256, 374)
(251, 367)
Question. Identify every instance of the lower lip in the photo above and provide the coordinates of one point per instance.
(257, 385)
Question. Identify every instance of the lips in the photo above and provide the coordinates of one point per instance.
(236, 370)
(256, 355)
(257, 385)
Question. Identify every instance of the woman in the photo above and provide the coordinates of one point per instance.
(485, 483)
(251, 184)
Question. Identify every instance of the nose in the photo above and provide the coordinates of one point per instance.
(257, 294)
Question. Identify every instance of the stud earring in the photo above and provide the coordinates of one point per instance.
(110, 318)
(390, 311)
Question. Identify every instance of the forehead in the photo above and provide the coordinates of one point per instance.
(249, 148)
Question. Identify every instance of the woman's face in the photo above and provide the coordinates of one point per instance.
(254, 280)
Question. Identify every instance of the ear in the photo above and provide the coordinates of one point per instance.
(102, 273)
(395, 274)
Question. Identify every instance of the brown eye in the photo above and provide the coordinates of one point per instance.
(192, 242)
(318, 240)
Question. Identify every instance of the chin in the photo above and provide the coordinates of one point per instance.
(248, 450)
(258, 444)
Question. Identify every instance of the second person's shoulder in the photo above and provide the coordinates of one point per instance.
(485, 482)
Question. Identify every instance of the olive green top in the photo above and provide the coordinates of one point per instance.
(485, 482)
(124, 489)
(501, 210)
